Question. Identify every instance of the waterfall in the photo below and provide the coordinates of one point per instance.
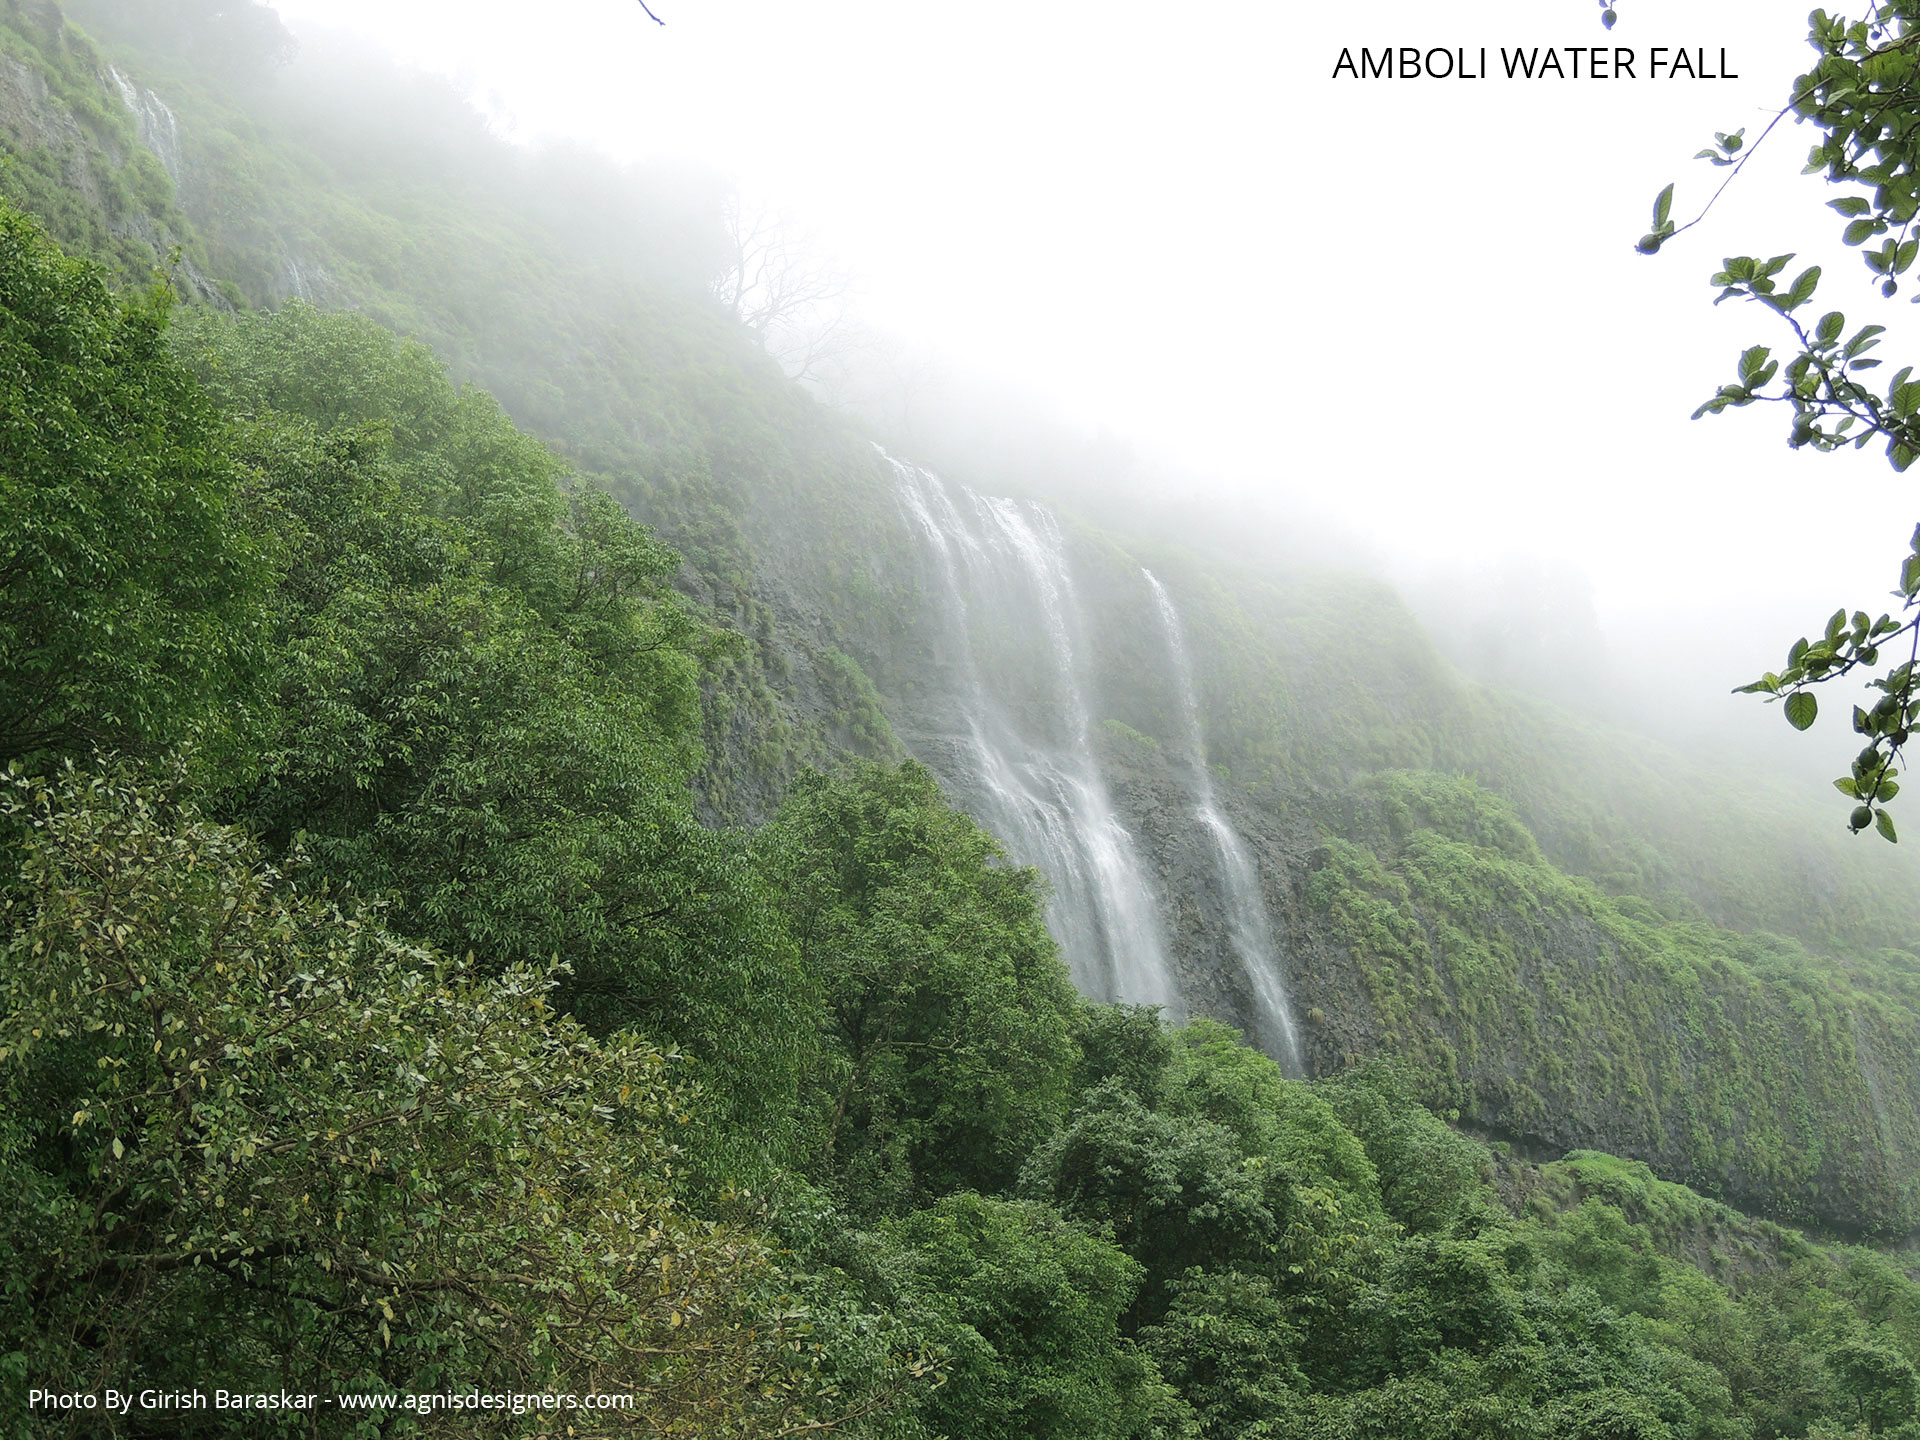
(297, 285)
(1248, 930)
(154, 122)
(1014, 629)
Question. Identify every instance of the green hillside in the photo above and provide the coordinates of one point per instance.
(473, 923)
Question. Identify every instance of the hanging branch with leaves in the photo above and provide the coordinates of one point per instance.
(1863, 95)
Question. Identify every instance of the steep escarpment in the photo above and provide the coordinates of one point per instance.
(1411, 912)
(1740, 1064)
(1258, 797)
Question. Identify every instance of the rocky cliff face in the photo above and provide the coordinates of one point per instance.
(1258, 797)
(1403, 911)
(96, 157)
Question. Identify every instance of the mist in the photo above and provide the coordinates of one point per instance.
(1176, 270)
(903, 722)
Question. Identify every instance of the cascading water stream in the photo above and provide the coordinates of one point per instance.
(157, 128)
(1249, 932)
(1033, 779)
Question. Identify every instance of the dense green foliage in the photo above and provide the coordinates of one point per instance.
(948, 1015)
(128, 583)
(257, 1141)
(377, 1013)
(1739, 1062)
(258, 1134)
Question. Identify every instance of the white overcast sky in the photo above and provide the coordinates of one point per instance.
(1416, 301)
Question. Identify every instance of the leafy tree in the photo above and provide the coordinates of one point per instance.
(1430, 1175)
(1214, 1075)
(948, 1047)
(251, 1134)
(130, 585)
(1230, 1347)
(1597, 1244)
(1127, 1044)
(1452, 1295)
(1863, 100)
(1174, 1191)
(1877, 1379)
(1027, 1307)
(485, 702)
(1179, 1192)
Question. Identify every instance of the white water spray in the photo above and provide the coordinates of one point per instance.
(1003, 570)
(153, 121)
(1248, 931)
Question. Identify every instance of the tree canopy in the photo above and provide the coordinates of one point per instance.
(130, 576)
(380, 1012)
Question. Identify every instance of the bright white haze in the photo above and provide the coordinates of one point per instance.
(1415, 303)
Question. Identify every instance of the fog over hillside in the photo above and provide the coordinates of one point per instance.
(1402, 318)
(739, 720)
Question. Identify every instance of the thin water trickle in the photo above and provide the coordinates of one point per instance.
(1013, 628)
(1249, 931)
(159, 132)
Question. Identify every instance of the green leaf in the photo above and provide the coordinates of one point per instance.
(1830, 326)
(1883, 822)
(1662, 207)
(1864, 339)
(1801, 709)
(1860, 231)
(1804, 284)
(1850, 205)
(1846, 786)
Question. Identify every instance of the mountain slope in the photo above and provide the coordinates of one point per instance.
(1527, 902)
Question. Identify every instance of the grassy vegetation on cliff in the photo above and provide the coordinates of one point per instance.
(298, 1103)
(1739, 1063)
(1157, 1234)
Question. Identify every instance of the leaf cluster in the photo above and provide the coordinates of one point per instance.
(251, 1132)
(1848, 644)
(130, 577)
(1864, 98)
